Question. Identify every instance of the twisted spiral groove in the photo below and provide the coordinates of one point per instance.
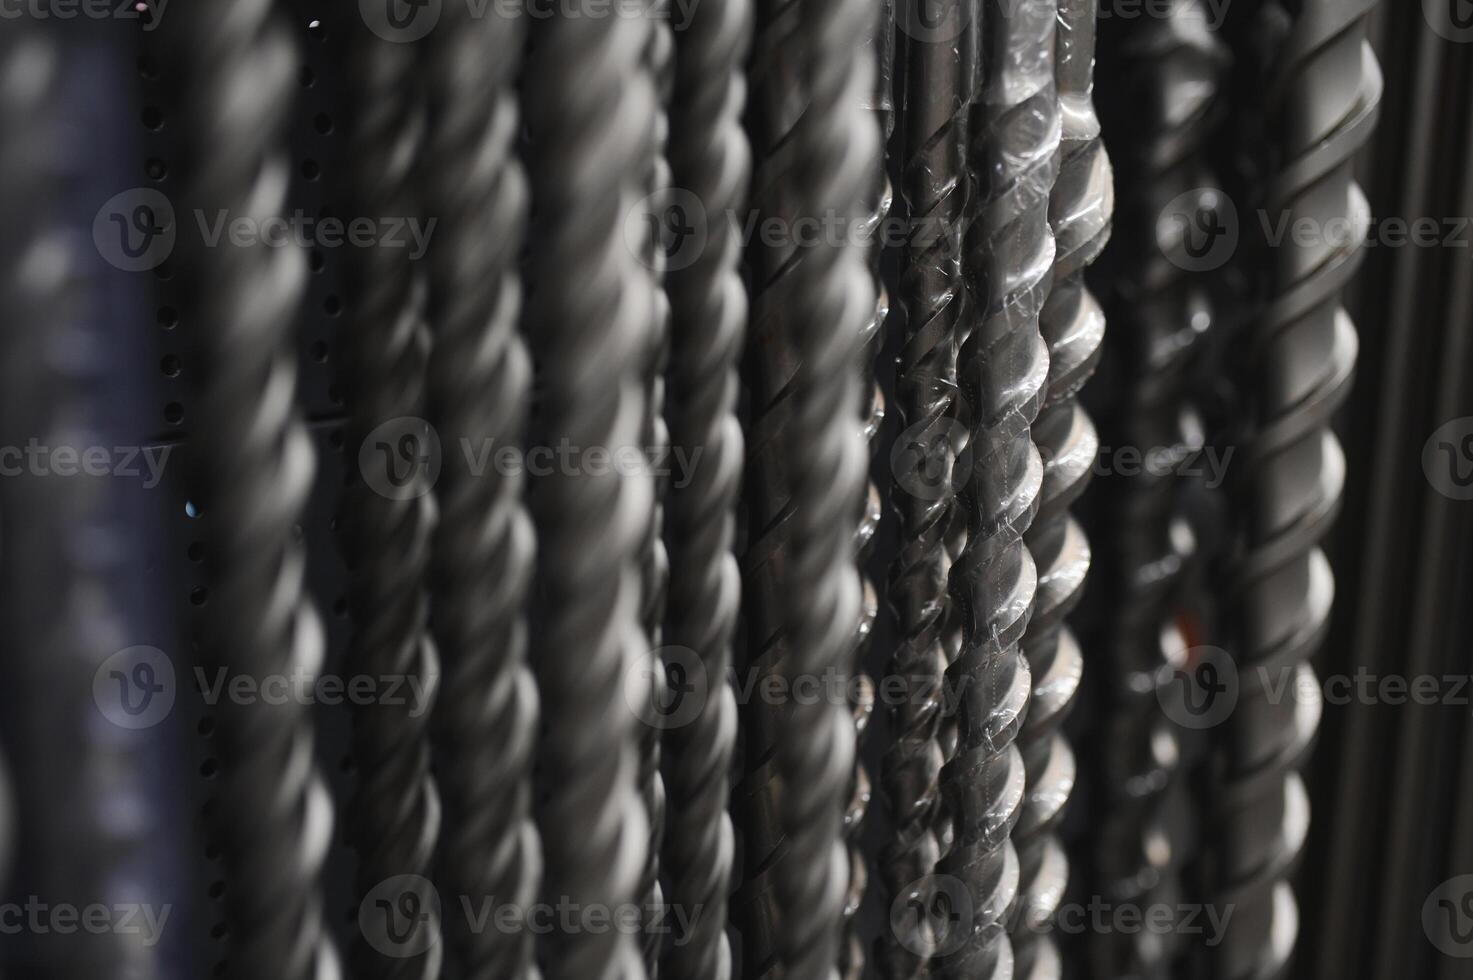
(1002, 372)
(881, 48)
(592, 313)
(1322, 98)
(394, 819)
(655, 440)
(1169, 70)
(1073, 325)
(817, 156)
(934, 185)
(830, 289)
(272, 816)
(710, 158)
(484, 550)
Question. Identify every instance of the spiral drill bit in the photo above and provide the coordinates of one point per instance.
(1167, 73)
(1073, 326)
(394, 819)
(660, 61)
(271, 817)
(484, 552)
(710, 158)
(829, 288)
(934, 184)
(811, 83)
(1002, 371)
(861, 691)
(1322, 98)
(592, 313)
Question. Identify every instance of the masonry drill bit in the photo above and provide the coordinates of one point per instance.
(778, 100)
(829, 290)
(1002, 371)
(861, 691)
(272, 816)
(484, 550)
(709, 158)
(1167, 72)
(934, 115)
(817, 156)
(1073, 325)
(394, 819)
(592, 314)
(1322, 96)
(660, 61)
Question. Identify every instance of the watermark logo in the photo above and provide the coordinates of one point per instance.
(1447, 917)
(1450, 19)
(1202, 692)
(679, 700)
(1447, 459)
(400, 916)
(924, 460)
(135, 688)
(933, 21)
(932, 916)
(401, 458)
(135, 231)
(1198, 230)
(400, 21)
(673, 221)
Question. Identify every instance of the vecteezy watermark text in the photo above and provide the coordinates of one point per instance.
(136, 688)
(304, 230)
(403, 458)
(407, 21)
(137, 230)
(412, 691)
(38, 917)
(401, 917)
(149, 13)
(127, 462)
(935, 915)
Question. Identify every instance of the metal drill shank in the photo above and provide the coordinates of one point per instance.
(1323, 96)
(480, 381)
(273, 816)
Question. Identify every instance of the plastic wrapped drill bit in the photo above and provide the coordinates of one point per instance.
(236, 68)
(1322, 95)
(1073, 325)
(591, 315)
(711, 161)
(1002, 372)
(480, 377)
(872, 230)
(1164, 77)
(934, 116)
(393, 820)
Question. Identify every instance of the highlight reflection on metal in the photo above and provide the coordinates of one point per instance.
(1323, 91)
(709, 157)
(483, 556)
(1002, 376)
(272, 817)
(591, 321)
